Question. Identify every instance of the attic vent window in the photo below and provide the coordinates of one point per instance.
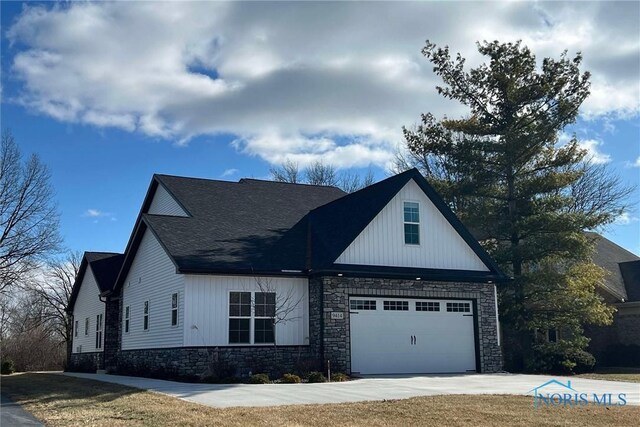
(411, 223)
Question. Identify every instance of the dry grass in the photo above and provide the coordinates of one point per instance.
(631, 375)
(66, 401)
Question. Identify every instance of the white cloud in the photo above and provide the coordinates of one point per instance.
(625, 219)
(229, 172)
(298, 80)
(96, 214)
(594, 155)
(636, 164)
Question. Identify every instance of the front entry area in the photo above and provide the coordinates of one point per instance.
(410, 336)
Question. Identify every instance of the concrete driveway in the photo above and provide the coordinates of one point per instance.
(12, 415)
(379, 388)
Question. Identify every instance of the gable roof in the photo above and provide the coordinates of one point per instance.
(266, 227)
(105, 267)
(614, 259)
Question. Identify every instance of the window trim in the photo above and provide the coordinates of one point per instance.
(252, 317)
(404, 222)
(99, 329)
(127, 318)
(75, 333)
(175, 309)
(145, 316)
(86, 326)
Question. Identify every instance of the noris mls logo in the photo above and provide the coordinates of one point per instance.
(557, 393)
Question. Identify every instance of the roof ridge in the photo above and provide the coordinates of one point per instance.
(289, 183)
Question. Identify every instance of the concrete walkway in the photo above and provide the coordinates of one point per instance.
(379, 388)
(13, 415)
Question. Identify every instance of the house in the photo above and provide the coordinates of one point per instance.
(621, 289)
(265, 276)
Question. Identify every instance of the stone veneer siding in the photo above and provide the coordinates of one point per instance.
(336, 291)
(85, 362)
(112, 325)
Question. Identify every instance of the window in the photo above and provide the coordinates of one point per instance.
(265, 313)
(411, 223)
(363, 304)
(458, 307)
(427, 306)
(240, 317)
(99, 331)
(127, 314)
(86, 326)
(75, 332)
(552, 335)
(396, 305)
(145, 317)
(174, 309)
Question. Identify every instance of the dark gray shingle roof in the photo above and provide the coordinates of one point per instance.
(609, 256)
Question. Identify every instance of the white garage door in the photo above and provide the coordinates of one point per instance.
(407, 336)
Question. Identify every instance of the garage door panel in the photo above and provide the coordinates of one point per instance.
(396, 342)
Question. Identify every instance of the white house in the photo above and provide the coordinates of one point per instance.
(384, 280)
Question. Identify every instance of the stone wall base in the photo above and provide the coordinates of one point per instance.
(85, 362)
(216, 363)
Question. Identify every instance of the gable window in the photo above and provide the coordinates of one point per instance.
(145, 317)
(127, 316)
(239, 317)
(251, 317)
(86, 326)
(99, 331)
(411, 223)
(174, 309)
(75, 333)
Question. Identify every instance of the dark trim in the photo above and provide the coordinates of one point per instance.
(476, 335)
(425, 274)
(358, 295)
(242, 272)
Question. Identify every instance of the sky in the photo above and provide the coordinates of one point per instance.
(109, 93)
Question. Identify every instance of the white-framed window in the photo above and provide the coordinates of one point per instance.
(99, 331)
(174, 309)
(251, 317)
(459, 307)
(86, 326)
(411, 223)
(427, 306)
(553, 335)
(363, 304)
(75, 329)
(145, 316)
(127, 319)
(395, 305)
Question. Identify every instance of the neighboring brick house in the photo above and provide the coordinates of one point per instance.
(622, 290)
(385, 280)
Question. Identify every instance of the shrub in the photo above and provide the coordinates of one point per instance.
(259, 379)
(290, 379)
(7, 367)
(316, 377)
(561, 358)
(339, 377)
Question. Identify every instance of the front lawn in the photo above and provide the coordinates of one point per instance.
(66, 401)
(631, 375)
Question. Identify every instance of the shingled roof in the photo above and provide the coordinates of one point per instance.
(623, 267)
(105, 267)
(265, 227)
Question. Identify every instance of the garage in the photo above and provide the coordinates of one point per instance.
(409, 336)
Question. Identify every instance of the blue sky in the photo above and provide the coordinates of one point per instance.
(109, 93)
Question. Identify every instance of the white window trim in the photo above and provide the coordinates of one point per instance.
(176, 309)
(146, 315)
(127, 317)
(99, 331)
(75, 334)
(252, 319)
(404, 241)
(87, 326)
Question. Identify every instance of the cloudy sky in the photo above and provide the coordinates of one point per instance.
(109, 93)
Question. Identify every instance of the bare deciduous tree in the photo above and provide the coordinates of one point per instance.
(319, 173)
(28, 215)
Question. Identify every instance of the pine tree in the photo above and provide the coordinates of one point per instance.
(505, 174)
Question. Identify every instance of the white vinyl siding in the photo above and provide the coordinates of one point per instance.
(152, 277)
(164, 204)
(87, 306)
(382, 241)
(206, 309)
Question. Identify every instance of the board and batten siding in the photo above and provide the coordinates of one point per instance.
(207, 308)
(152, 277)
(87, 305)
(382, 241)
(164, 204)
